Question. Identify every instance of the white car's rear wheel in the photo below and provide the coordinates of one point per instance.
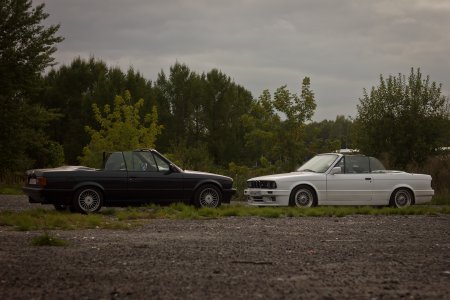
(401, 198)
(303, 196)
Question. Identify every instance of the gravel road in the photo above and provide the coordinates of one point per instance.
(356, 257)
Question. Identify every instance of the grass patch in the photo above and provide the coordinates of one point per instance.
(41, 219)
(36, 219)
(10, 189)
(48, 240)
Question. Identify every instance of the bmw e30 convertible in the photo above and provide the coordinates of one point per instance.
(340, 179)
(128, 178)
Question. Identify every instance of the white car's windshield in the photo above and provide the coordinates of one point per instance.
(318, 164)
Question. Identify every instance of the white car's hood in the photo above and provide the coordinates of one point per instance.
(287, 176)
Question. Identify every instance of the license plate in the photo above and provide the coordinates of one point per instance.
(32, 181)
(255, 193)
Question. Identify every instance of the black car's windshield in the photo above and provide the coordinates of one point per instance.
(318, 164)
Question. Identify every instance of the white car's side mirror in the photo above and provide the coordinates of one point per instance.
(336, 170)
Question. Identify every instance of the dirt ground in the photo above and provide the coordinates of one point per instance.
(357, 257)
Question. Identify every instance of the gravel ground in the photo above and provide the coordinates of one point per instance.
(358, 257)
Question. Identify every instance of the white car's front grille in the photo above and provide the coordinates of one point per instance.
(261, 184)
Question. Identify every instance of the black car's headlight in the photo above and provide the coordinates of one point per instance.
(262, 184)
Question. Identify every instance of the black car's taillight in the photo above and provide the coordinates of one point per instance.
(41, 181)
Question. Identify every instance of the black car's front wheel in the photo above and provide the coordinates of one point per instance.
(208, 195)
(88, 200)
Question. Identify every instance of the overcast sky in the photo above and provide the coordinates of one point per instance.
(342, 45)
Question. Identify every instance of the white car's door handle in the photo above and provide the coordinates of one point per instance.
(368, 178)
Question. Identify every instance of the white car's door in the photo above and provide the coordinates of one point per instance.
(353, 186)
(349, 188)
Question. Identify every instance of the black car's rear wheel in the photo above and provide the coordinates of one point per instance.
(88, 200)
(208, 195)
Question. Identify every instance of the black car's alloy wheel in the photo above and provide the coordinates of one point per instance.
(88, 200)
(208, 196)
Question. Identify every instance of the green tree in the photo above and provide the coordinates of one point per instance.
(404, 118)
(121, 129)
(26, 48)
(72, 89)
(261, 125)
(328, 135)
(297, 109)
(224, 102)
(202, 113)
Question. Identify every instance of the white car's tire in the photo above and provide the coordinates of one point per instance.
(303, 196)
(401, 198)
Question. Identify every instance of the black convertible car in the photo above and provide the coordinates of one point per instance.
(128, 178)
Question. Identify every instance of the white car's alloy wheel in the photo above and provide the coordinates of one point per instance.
(303, 197)
(402, 198)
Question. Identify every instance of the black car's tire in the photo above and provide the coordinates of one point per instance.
(401, 198)
(208, 195)
(303, 196)
(88, 200)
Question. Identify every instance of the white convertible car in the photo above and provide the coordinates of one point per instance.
(338, 179)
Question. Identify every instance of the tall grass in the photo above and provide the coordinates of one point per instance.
(37, 219)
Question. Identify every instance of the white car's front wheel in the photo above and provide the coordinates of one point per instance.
(303, 196)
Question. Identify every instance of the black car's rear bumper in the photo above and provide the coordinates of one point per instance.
(40, 195)
(35, 194)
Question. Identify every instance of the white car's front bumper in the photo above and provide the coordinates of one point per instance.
(267, 197)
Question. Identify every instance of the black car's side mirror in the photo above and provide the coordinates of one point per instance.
(172, 169)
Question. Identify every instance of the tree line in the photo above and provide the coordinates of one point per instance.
(71, 113)
(205, 119)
